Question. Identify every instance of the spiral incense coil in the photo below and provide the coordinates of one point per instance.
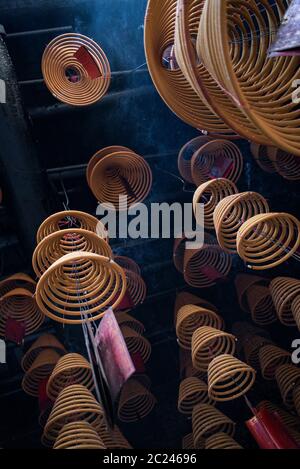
(73, 403)
(270, 358)
(70, 369)
(284, 290)
(125, 319)
(267, 240)
(78, 435)
(295, 308)
(261, 305)
(186, 154)
(252, 345)
(296, 398)
(186, 366)
(192, 391)
(287, 377)
(128, 264)
(60, 243)
(20, 305)
(17, 281)
(221, 441)
(136, 287)
(45, 341)
(190, 318)
(242, 283)
(136, 343)
(289, 420)
(99, 155)
(79, 287)
(232, 212)
(286, 164)
(208, 343)
(261, 156)
(207, 420)
(209, 194)
(136, 402)
(59, 60)
(185, 298)
(113, 439)
(188, 441)
(39, 370)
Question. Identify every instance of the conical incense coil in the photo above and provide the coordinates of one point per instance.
(73, 403)
(60, 243)
(267, 240)
(192, 391)
(207, 420)
(208, 343)
(136, 343)
(78, 435)
(136, 287)
(261, 156)
(287, 377)
(136, 402)
(17, 281)
(66, 75)
(209, 194)
(261, 305)
(289, 420)
(79, 287)
(128, 264)
(185, 298)
(186, 366)
(284, 290)
(270, 358)
(229, 378)
(185, 156)
(39, 371)
(188, 442)
(70, 369)
(99, 156)
(217, 159)
(232, 212)
(251, 346)
(190, 318)
(295, 308)
(113, 439)
(45, 341)
(125, 319)
(296, 398)
(221, 441)
(286, 164)
(242, 283)
(20, 305)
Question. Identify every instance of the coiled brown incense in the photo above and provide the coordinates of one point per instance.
(113, 438)
(284, 290)
(296, 398)
(270, 358)
(289, 420)
(242, 283)
(187, 369)
(125, 319)
(136, 343)
(188, 441)
(128, 264)
(261, 305)
(78, 435)
(221, 441)
(39, 370)
(185, 298)
(136, 402)
(185, 156)
(251, 346)
(192, 391)
(45, 341)
(295, 308)
(136, 287)
(287, 377)
(261, 156)
(207, 421)
(286, 164)
(208, 343)
(19, 280)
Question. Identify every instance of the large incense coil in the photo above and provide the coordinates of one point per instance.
(60, 243)
(295, 308)
(261, 156)
(98, 156)
(208, 343)
(188, 441)
(39, 371)
(72, 368)
(185, 156)
(209, 194)
(185, 298)
(206, 161)
(192, 391)
(287, 377)
(136, 402)
(190, 318)
(136, 343)
(78, 435)
(232, 212)
(20, 305)
(270, 358)
(242, 283)
(229, 378)
(286, 164)
(19, 280)
(284, 290)
(261, 305)
(45, 341)
(73, 403)
(136, 287)
(113, 439)
(251, 346)
(267, 240)
(221, 441)
(79, 287)
(125, 319)
(289, 420)
(59, 58)
(207, 420)
(128, 264)
(296, 398)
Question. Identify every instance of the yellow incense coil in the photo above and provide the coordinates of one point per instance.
(192, 391)
(125, 319)
(136, 343)
(18, 280)
(136, 402)
(78, 435)
(45, 341)
(208, 343)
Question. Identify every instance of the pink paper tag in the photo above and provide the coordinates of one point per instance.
(221, 168)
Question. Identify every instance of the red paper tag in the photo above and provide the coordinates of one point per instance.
(84, 57)
(138, 362)
(211, 273)
(221, 168)
(15, 330)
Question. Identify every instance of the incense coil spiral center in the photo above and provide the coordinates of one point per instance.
(208, 343)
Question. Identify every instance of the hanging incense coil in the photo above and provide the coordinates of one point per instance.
(136, 402)
(207, 420)
(39, 371)
(221, 441)
(186, 154)
(295, 308)
(73, 403)
(185, 298)
(208, 343)
(125, 319)
(289, 420)
(79, 287)
(113, 439)
(186, 366)
(242, 283)
(188, 442)
(232, 212)
(209, 194)
(192, 391)
(261, 156)
(261, 305)
(60, 243)
(284, 290)
(296, 398)
(68, 77)
(229, 378)
(286, 164)
(98, 156)
(287, 377)
(78, 435)
(136, 287)
(190, 318)
(178, 253)
(70, 369)
(252, 345)
(45, 341)
(128, 264)
(136, 343)
(270, 358)
(267, 240)
(17, 281)
(20, 305)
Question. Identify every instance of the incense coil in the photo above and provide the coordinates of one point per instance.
(295, 308)
(286, 164)
(204, 164)
(136, 343)
(72, 368)
(59, 58)
(289, 420)
(270, 358)
(261, 305)
(251, 346)
(188, 441)
(267, 240)
(287, 377)
(78, 435)
(19, 280)
(208, 343)
(99, 155)
(39, 370)
(209, 194)
(207, 420)
(136, 287)
(20, 305)
(190, 318)
(242, 283)
(45, 341)
(113, 439)
(296, 398)
(185, 156)
(73, 403)
(185, 298)
(284, 290)
(186, 366)
(60, 243)
(232, 212)
(261, 156)
(136, 402)
(192, 391)
(128, 264)
(229, 378)
(221, 441)
(79, 287)
(125, 319)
